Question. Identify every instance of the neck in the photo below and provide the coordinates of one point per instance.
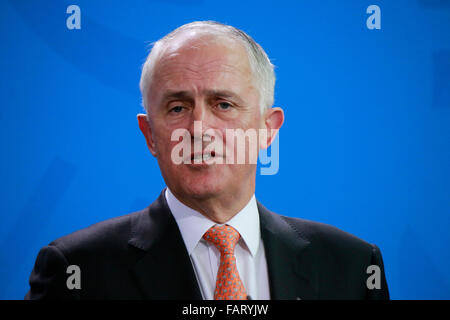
(221, 208)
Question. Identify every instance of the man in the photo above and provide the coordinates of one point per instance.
(206, 236)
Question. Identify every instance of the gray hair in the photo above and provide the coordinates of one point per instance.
(261, 67)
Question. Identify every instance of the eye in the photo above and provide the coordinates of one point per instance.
(176, 109)
(224, 106)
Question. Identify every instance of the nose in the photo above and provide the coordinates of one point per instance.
(199, 120)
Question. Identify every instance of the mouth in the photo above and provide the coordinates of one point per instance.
(203, 158)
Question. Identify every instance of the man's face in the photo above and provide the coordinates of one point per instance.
(207, 81)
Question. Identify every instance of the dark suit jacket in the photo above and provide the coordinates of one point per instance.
(142, 256)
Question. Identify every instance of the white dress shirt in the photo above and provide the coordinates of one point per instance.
(205, 257)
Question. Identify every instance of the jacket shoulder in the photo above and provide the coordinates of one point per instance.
(104, 235)
(327, 236)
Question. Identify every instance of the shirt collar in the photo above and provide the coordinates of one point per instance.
(193, 224)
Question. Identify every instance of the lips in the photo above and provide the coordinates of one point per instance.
(204, 156)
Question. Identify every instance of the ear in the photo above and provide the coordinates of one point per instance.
(144, 125)
(273, 120)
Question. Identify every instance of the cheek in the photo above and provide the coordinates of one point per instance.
(162, 139)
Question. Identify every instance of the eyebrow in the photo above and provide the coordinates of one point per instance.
(221, 93)
(184, 95)
(176, 95)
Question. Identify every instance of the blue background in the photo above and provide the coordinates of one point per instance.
(365, 145)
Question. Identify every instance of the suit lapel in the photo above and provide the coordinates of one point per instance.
(289, 259)
(164, 271)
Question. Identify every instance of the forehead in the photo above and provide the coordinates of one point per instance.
(202, 48)
(193, 62)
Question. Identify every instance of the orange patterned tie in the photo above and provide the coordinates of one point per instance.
(228, 284)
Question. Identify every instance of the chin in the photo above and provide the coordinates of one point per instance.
(201, 183)
(203, 188)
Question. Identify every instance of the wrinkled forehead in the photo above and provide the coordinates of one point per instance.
(201, 55)
(202, 47)
(196, 39)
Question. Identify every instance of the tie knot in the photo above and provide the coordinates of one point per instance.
(223, 237)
